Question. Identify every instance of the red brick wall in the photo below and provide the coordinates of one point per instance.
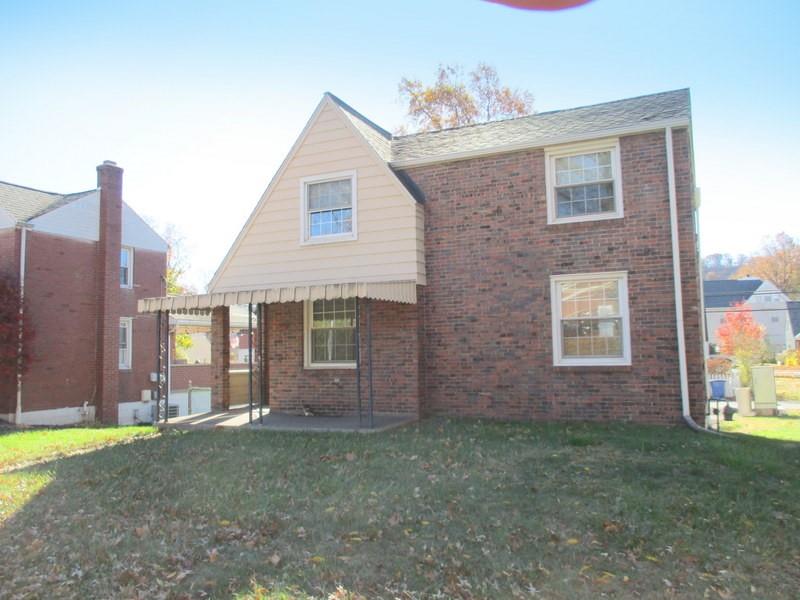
(333, 391)
(9, 267)
(486, 307)
(148, 268)
(61, 302)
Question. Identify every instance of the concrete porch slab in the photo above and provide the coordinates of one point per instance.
(237, 417)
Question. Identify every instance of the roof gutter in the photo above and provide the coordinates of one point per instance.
(552, 141)
(676, 276)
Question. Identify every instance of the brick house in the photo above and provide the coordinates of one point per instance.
(544, 267)
(84, 260)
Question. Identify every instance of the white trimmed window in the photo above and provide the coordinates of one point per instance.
(126, 267)
(328, 207)
(330, 333)
(583, 182)
(125, 342)
(591, 323)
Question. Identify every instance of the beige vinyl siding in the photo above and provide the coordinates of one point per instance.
(390, 225)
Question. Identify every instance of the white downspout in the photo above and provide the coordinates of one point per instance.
(676, 276)
(20, 339)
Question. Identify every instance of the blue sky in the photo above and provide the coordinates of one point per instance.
(200, 101)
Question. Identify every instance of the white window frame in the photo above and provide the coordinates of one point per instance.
(307, 309)
(305, 236)
(128, 323)
(129, 250)
(555, 310)
(554, 152)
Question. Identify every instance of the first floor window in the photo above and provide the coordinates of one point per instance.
(125, 337)
(330, 337)
(126, 267)
(590, 319)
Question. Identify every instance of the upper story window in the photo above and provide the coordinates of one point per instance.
(125, 342)
(330, 333)
(591, 324)
(126, 267)
(583, 182)
(329, 207)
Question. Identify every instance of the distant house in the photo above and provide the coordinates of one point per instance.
(769, 304)
(84, 260)
(543, 267)
(794, 319)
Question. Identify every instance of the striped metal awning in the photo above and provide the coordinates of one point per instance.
(392, 291)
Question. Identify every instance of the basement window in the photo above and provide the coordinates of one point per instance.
(125, 342)
(591, 323)
(329, 208)
(126, 267)
(330, 333)
(583, 182)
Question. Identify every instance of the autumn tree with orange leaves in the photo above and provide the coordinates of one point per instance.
(742, 338)
(453, 100)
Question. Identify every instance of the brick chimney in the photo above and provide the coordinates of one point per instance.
(109, 180)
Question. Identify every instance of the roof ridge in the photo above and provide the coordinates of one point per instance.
(357, 114)
(32, 189)
(540, 114)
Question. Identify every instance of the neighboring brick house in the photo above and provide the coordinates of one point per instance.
(543, 267)
(84, 260)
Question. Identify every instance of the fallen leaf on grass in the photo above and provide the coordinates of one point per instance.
(275, 559)
(350, 456)
(572, 542)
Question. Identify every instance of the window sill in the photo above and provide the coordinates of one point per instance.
(330, 366)
(584, 218)
(328, 239)
(583, 363)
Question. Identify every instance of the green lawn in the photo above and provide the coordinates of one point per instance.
(785, 427)
(42, 444)
(465, 509)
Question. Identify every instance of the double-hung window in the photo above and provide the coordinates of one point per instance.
(328, 208)
(126, 267)
(583, 182)
(125, 342)
(591, 324)
(330, 333)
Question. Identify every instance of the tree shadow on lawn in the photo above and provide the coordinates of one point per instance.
(467, 508)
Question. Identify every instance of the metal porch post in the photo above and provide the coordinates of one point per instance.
(250, 362)
(358, 364)
(369, 358)
(262, 346)
(167, 348)
(158, 367)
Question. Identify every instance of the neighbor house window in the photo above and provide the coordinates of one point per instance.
(583, 182)
(125, 339)
(330, 334)
(126, 267)
(329, 207)
(590, 319)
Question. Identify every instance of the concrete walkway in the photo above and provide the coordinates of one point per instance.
(237, 417)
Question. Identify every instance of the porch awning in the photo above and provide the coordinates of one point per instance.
(393, 291)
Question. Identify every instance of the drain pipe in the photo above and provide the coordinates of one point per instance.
(23, 243)
(676, 276)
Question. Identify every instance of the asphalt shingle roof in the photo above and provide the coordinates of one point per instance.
(530, 130)
(722, 293)
(24, 203)
(543, 127)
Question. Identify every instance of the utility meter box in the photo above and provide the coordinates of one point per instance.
(765, 401)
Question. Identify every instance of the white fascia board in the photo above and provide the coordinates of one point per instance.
(542, 143)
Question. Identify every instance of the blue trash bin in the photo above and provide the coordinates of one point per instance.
(718, 389)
